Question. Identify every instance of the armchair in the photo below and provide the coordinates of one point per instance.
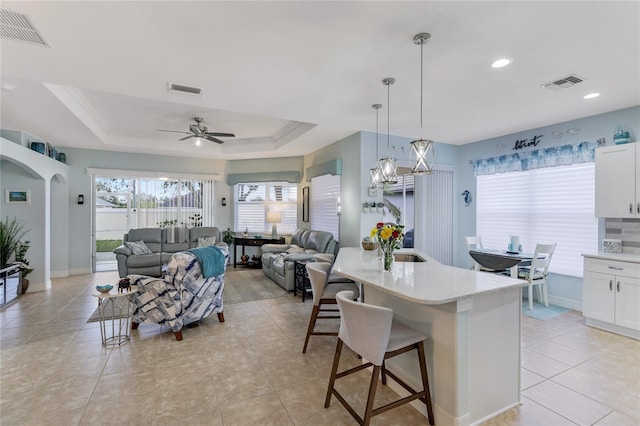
(181, 297)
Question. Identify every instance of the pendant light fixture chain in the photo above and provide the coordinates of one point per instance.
(422, 148)
(388, 165)
(375, 174)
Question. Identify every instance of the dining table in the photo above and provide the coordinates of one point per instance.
(501, 260)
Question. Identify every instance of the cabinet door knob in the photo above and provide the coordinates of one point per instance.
(610, 285)
(618, 286)
(617, 268)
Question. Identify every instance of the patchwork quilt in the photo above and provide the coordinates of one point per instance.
(182, 296)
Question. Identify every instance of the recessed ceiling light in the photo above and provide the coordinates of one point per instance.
(501, 63)
(592, 95)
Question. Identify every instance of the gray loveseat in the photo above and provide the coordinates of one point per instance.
(278, 259)
(161, 250)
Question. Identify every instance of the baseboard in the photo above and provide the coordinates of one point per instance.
(614, 328)
(573, 304)
(60, 274)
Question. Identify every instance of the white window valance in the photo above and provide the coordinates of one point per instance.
(290, 176)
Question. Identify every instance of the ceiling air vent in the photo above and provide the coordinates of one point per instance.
(564, 82)
(18, 27)
(184, 89)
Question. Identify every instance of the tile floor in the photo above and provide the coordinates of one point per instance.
(249, 370)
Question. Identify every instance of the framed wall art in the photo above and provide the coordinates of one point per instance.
(305, 204)
(17, 196)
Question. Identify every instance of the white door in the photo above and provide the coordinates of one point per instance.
(628, 302)
(598, 296)
(616, 181)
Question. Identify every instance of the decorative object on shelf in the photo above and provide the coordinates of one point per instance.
(38, 147)
(389, 237)
(375, 174)
(388, 165)
(621, 136)
(274, 218)
(246, 232)
(379, 207)
(422, 149)
(601, 141)
(62, 157)
(124, 284)
(104, 288)
(369, 244)
(467, 197)
(611, 246)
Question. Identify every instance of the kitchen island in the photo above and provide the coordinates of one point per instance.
(473, 321)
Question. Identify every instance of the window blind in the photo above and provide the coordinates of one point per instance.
(553, 204)
(323, 201)
(254, 200)
(434, 215)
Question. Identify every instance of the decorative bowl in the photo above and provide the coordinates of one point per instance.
(369, 245)
(104, 288)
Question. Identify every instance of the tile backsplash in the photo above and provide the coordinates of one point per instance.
(627, 230)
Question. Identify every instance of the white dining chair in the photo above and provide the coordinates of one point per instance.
(536, 274)
(474, 243)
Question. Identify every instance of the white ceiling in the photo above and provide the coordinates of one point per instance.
(291, 77)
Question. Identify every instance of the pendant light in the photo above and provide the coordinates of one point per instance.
(375, 173)
(421, 149)
(388, 165)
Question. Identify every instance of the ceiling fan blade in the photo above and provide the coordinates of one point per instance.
(174, 131)
(212, 139)
(186, 137)
(195, 129)
(224, 135)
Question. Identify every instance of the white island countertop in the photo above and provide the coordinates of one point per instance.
(427, 283)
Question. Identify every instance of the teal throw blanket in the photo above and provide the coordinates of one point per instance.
(211, 260)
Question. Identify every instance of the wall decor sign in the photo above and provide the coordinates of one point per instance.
(525, 143)
(17, 196)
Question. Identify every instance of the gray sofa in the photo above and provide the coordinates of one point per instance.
(161, 250)
(278, 259)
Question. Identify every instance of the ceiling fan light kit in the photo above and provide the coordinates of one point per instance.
(200, 132)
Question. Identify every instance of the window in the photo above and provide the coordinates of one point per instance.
(324, 199)
(254, 200)
(553, 204)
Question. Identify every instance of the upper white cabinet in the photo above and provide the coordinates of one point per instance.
(617, 181)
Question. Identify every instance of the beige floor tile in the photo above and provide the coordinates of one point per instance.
(305, 402)
(618, 419)
(137, 411)
(529, 413)
(560, 353)
(264, 410)
(242, 385)
(542, 365)
(602, 388)
(568, 403)
(193, 403)
(529, 378)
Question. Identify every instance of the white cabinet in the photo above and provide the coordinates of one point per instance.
(611, 295)
(617, 181)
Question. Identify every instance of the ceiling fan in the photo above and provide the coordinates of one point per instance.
(200, 131)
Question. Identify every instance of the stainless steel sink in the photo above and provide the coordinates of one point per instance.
(408, 257)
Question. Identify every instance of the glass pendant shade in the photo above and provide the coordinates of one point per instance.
(389, 170)
(375, 178)
(422, 157)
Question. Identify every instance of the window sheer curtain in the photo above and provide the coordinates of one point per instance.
(553, 204)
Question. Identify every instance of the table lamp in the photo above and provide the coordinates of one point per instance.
(273, 218)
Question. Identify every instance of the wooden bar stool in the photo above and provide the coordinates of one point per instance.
(324, 293)
(371, 332)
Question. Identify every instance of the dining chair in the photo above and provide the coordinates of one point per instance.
(372, 333)
(474, 243)
(536, 274)
(324, 293)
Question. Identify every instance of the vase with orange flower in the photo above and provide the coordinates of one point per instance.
(389, 237)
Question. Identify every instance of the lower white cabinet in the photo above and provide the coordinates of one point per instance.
(611, 295)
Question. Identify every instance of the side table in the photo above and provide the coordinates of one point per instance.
(242, 241)
(301, 281)
(115, 310)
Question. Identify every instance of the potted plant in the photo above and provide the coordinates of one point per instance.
(20, 253)
(11, 233)
(227, 236)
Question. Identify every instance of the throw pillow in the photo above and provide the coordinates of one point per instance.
(138, 247)
(206, 241)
